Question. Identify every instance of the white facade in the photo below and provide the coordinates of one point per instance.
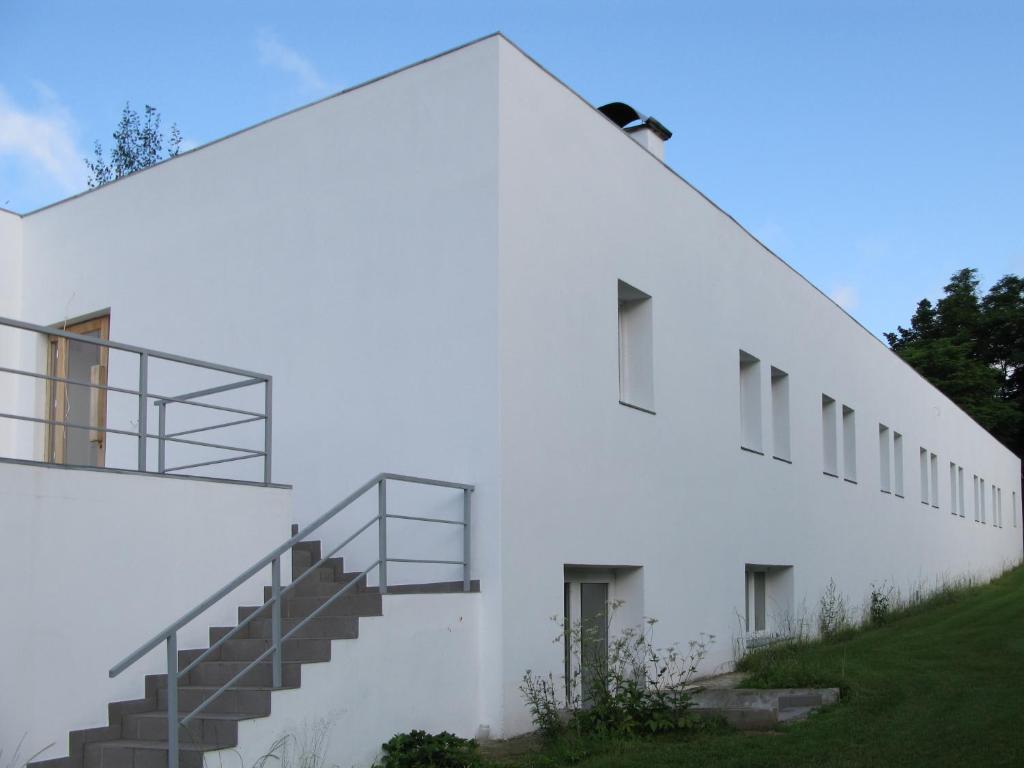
(416, 667)
(429, 266)
(96, 564)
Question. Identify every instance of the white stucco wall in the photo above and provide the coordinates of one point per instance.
(10, 341)
(586, 480)
(415, 667)
(347, 249)
(94, 565)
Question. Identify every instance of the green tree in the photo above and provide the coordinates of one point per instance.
(138, 144)
(972, 348)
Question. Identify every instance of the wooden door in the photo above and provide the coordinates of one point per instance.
(79, 410)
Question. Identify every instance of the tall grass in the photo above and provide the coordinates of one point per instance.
(15, 760)
(794, 662)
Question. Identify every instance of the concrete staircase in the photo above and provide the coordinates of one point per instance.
(136, 734)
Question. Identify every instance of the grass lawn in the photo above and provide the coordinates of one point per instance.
(942, 684)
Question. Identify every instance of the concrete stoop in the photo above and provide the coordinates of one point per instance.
(760, 709)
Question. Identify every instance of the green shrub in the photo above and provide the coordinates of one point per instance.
(881, 604)
(542, 701)
(833, 615)
(419, 749)
(638, 690)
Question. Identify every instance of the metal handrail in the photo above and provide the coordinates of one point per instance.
(169, 635)
(51, 331)
(160, 401)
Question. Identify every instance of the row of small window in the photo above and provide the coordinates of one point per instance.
(890, 444)
(890, 464)
(957, 493)
(830, 440)
(751, 437)
(636, 388)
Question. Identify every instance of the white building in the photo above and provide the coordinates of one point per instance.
(459, 271)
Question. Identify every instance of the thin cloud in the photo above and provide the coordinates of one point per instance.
(42, 139)
(276, 54)
(845, 296)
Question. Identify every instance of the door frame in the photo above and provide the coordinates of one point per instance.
(57, 347)
(573, 579)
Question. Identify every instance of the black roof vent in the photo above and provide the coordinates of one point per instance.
(624, 116)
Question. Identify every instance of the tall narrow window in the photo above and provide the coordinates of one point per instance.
(849, 445)
(829, 437)
(756, 594)
(995, 508)
(897, 463)
(759, 601)
(884, 460)
(924, 476)
(636, 348)
(780, 414)
(935, 481)
(750, 402)
(952, 488)
(977, 504)
(981, 497)
(960, 489)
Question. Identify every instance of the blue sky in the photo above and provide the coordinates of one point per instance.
(876, 146)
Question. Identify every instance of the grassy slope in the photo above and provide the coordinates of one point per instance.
(943, 685)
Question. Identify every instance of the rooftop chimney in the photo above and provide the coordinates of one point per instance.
(644, 130)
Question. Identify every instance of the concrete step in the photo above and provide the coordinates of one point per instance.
(216, 633)
(127, 753)
(221, 672)
(432, 588)
(752, 709)
(795, 713)
(353, 603)
(312, 548)
(315, 587)
(333, 627)
(809, 698)
(216, 729)
(296, 649)
(329, 570)
(251, 701)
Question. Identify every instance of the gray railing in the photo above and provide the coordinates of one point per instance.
(162, 402)
(169, 635)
